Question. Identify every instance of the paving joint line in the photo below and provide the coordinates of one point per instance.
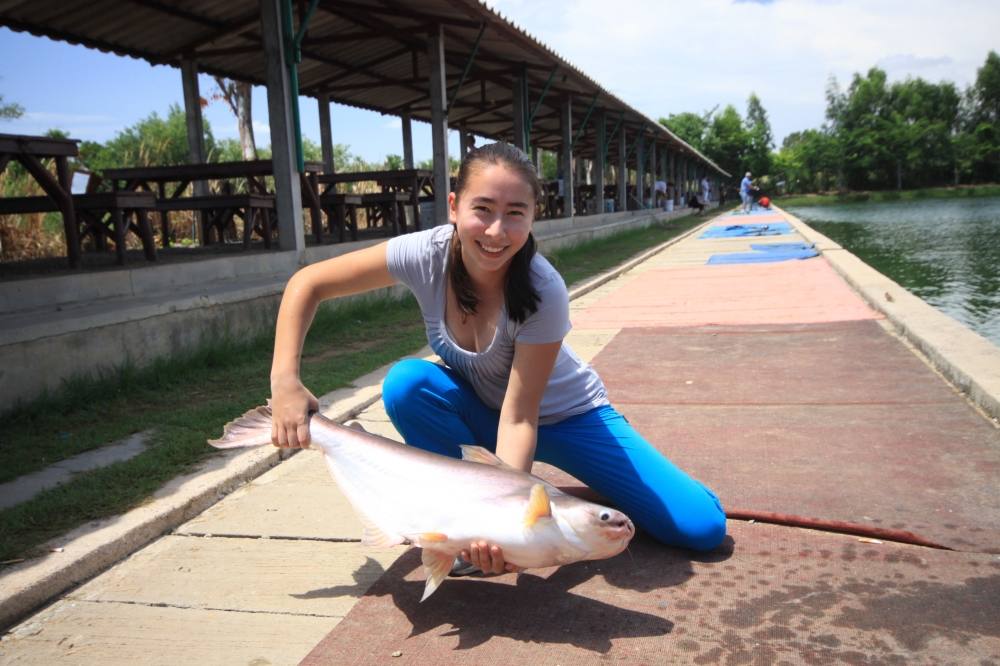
(267, 537)
(163, 604)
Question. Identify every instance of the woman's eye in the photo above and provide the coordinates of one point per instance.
(514, 213)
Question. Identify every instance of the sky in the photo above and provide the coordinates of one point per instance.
(659, 57)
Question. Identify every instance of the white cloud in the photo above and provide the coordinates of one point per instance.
(665, 58)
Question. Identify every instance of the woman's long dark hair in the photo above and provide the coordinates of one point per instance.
(520, 295)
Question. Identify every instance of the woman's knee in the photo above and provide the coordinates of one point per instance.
(700, 529)
(404, 381)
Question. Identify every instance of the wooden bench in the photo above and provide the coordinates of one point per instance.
(218, 211)
(387, 208)
(102, 215)
(341, 213)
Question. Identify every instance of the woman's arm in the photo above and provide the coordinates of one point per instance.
(353, 273)
(529, 375)
(518, 431)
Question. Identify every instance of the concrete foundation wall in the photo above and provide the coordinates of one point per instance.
(64, 327)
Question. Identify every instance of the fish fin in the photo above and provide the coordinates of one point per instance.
(375, 536)
(251, 429)
(480, 455)
(538, 505)
(432, 537)
(437, 565)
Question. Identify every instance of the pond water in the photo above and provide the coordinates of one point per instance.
(946, 251)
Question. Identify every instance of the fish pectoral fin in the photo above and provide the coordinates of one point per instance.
(375, 536)
(437, 565)
(538, 505)
(480, 455)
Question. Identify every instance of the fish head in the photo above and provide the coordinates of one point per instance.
(600, 531)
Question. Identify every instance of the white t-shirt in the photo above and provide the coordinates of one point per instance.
(420, 260)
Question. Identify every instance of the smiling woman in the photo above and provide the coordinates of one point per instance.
(496, 313)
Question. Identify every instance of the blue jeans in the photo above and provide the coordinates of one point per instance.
(435, 409)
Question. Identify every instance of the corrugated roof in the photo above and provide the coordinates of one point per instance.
(370, 54)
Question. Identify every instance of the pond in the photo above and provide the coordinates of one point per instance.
(946, 251)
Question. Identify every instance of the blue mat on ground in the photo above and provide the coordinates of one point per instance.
(781, 247)
(763, 254)
(750, 229)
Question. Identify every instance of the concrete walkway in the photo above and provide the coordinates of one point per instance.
(776, 384)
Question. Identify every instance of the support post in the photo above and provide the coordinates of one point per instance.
(407, 142)
(566, 129)
(288, 195)
(439, 124)
(196, 141)
(653, 171)
(640, 168)
(519, 112)
(622, 170)
(325, 135)
(601, 158)
(463, 141)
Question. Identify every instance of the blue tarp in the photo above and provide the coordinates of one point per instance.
(766, 254)
(749, 229)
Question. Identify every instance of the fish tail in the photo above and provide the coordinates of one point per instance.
(251, 429)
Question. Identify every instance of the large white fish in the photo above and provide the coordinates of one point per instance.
(403, 494)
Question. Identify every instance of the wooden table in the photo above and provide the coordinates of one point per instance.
(29, 150)
(218, 207)
(413, 182)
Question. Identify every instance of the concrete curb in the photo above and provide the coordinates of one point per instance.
(87, 551)
(962, 356)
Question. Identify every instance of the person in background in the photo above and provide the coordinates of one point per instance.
(660, 192)
(706, 189)
(746, 185)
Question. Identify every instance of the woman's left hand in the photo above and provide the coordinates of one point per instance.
(489, 558)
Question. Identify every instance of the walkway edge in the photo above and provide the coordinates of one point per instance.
(965, 358)
(89, 550)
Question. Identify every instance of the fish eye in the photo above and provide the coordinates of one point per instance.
(605, 516)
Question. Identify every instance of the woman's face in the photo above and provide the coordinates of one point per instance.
(493, 218)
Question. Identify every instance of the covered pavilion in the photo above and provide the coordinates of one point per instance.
(452, 63)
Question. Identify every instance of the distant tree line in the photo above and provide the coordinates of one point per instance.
(877, 135)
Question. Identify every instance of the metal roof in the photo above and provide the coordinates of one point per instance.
(370, 54)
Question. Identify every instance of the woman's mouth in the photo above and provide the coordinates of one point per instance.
(491, 249)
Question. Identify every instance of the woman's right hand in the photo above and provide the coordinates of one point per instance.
(291, 407)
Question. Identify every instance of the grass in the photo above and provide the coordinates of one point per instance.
(185, 400)
(889, 195)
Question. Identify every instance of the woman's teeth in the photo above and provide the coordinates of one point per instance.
(492, 249)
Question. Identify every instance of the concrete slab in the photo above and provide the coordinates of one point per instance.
(806, 291)
(296, 499)
(297, 577)
(928, 470)
(774, 596)
(78, 632)
(853, 362)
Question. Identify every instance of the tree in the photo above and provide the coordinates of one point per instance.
(985, 119)
(151, 141)
(10, 111)
(726, 141)
(690, 127)
(759, 138)
(237, 95)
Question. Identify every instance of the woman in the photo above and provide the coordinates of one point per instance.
(496, 313)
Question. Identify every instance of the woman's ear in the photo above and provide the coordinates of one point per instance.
(452, 208)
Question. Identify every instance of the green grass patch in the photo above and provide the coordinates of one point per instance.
(963, 191)
(185, 400)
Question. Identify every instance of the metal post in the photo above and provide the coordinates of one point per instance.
(653, 171)
(518, 111)
(439, 124)
(601, 157)
(566, 120)
(407, 142)
(325, 136)
(536, 156)
(622, 171)
(288, 196)
(640, 169)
